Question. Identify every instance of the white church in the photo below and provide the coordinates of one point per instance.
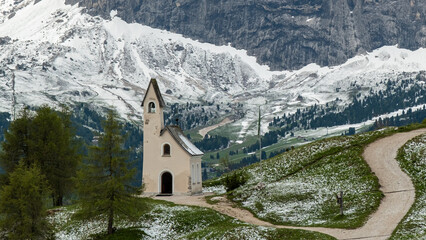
(171, 163)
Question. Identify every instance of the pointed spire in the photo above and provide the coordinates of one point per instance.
(154, 84)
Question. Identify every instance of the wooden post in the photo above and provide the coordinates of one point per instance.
(340, 202)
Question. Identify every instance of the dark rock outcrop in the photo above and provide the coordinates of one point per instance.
(285, 34)
(4, 40)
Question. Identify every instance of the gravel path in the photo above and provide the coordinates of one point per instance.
(205, 130)
(395, 184)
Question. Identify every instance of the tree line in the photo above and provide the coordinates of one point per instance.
(190, 115)
(396, 95)
(268, 139)
(194, 115)
(212, 143)
(405, 118)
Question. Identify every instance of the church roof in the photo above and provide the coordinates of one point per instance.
(183, 141)
(154, 84)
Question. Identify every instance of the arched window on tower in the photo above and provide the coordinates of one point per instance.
(151, 107)
(166, 150)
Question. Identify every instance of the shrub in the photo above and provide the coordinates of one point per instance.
(234, 180)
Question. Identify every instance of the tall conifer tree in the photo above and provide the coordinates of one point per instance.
(104, 182)
(15, 148)
(54, 150)
(46, 140)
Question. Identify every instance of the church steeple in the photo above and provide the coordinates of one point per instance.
(153, 104)
(154, 85)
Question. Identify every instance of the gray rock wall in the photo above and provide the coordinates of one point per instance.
(285, 34)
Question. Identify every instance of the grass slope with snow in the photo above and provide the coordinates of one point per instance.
(412, 159)
(298, 187)
(164, 220)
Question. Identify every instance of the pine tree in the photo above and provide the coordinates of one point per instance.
(104, 182)
(46, 140)
(15, 148)
(225, 163)
(70, 157)
(22, 204)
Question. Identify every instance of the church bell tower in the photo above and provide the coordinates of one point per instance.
(153, 121)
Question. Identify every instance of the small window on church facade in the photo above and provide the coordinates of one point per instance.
(166, 150)
(151, 107)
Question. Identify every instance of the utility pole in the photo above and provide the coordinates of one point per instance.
(260, 138)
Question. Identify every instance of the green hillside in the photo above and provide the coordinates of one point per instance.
(298, 187)
(164, 220)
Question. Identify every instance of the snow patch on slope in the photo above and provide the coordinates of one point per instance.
(34, 22)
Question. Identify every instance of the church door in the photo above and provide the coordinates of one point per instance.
(166, 183)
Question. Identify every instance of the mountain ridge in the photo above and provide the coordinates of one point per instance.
(282, 34)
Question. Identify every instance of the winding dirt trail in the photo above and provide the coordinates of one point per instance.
(395, 184)
(205, 130)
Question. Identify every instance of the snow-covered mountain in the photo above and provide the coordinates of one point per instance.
(284, 34)
(54, 53)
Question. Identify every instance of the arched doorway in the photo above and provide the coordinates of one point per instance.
(166, 183)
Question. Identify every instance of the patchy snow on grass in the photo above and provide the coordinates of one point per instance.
(220, 189)
(163, 221)
(412, 159)
(70, 229)
(299, 186)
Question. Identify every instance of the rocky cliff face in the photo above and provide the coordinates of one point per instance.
(285, 34)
